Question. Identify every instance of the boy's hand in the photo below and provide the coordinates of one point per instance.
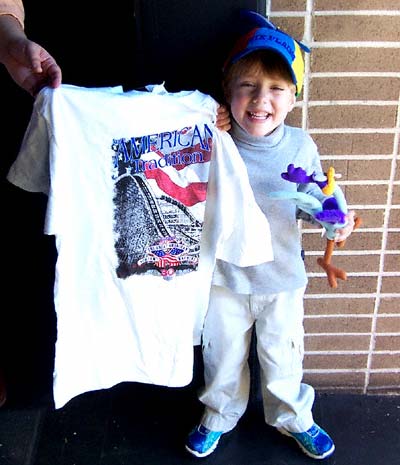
(343, 233)
(223, 118)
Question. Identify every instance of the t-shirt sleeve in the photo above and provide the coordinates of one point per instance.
(30, 171)
(245, 238)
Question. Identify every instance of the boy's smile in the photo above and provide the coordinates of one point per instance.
(260, 102)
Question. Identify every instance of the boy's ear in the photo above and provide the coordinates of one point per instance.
(293, 102)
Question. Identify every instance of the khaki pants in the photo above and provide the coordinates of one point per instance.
(278, 320)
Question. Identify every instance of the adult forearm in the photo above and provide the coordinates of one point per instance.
(10, 30)
(14, 8)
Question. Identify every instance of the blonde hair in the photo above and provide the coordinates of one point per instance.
(259, 62)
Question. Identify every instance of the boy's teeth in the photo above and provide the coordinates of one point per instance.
(258, 115)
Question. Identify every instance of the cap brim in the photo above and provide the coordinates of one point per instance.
(272, 49)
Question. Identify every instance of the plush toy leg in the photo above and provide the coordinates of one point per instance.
(331, 271)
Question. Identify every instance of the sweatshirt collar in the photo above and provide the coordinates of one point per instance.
(271, 140)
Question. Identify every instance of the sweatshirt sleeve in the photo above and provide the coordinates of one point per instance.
(14, 8)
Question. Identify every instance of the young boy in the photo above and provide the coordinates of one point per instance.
(262, 77)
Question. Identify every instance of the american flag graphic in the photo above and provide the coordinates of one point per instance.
(159, 210)
(185, 183)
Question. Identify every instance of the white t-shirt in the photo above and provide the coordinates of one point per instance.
(140, 215)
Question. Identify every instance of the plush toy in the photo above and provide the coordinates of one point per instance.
(331, 213)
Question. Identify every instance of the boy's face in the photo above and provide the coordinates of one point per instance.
(260, 101)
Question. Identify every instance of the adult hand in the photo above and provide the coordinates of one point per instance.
(31, 66)
(27, 62)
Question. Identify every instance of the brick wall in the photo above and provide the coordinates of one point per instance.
(350, 106)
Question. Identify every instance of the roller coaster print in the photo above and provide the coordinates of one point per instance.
(155, 235)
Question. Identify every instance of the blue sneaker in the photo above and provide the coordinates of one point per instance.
(314, 442)
(202, 442)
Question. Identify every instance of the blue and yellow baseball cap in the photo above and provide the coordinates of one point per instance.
(266, 36)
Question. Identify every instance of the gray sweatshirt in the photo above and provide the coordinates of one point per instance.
(266, 158)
